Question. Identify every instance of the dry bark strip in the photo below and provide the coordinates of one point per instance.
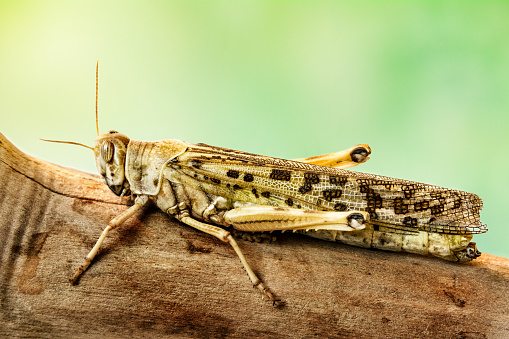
(155, 277)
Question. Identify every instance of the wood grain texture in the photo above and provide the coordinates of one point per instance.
(157, 277)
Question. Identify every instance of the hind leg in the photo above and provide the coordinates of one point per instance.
(344, 159)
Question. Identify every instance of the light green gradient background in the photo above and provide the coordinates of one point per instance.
(426, 84)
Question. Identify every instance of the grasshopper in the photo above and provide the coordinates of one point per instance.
(215, 189)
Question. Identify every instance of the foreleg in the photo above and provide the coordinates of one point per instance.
(114, 223)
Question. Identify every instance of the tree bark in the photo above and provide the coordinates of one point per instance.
(157, 277)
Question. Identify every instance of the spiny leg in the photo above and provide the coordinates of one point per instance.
(115, 222)
(225, 236)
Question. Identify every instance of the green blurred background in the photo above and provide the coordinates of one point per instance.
(426, 84)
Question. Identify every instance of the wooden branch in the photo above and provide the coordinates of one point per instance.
(157, 277)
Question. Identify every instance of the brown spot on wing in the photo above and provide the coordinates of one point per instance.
(338, 179)
(305, 188)
(196, 163)
(332, 193)
(399, 206)
(279, 174)
(311, 178)
(232, 174)
(421, 206)
(340, 207)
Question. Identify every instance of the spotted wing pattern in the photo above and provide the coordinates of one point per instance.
(394, 204)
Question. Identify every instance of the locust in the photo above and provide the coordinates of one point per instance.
(218, 190)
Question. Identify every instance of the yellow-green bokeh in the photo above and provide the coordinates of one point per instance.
(424, 83)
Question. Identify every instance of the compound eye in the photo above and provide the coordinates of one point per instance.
(107, 151)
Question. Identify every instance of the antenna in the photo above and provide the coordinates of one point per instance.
(68, 142)
(96, 95)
